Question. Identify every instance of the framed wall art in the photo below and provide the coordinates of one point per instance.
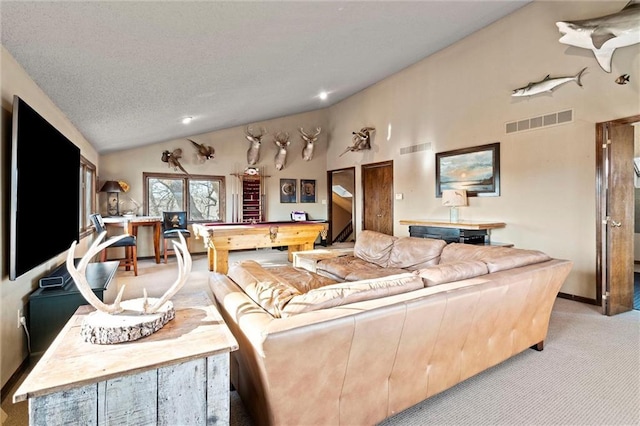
(476, 169)
(307, 190)
(288, 190)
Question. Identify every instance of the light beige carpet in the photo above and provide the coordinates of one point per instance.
(588, 373)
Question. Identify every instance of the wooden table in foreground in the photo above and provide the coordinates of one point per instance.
(473, 232)
(219, 239)
(132, 223)
(178, 375)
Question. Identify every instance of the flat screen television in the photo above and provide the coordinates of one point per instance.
(45, 191)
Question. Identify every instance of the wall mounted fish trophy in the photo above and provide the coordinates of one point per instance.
(605, 34)
(547, 84)
(204, 152)
(172, 158)
(361, 140)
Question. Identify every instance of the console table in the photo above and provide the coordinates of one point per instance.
(132, 223)
(178, 375)
(469, 232)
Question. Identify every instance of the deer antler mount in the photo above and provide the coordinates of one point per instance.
(309, 143)
(253, 153)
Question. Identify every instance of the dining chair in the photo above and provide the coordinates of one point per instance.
(129, 243)
(173, 223)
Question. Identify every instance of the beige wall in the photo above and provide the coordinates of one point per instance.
(460, 97)
(14, 294)
(230, 157)
(457, 98)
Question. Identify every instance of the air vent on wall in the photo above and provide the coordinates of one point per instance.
(415, 148)
(540, 121)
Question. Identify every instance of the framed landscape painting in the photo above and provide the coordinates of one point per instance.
(476, 169)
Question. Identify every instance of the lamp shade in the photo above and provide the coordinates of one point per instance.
(454, 197)
(111, 186)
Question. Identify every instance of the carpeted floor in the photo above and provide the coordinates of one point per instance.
(588, 373)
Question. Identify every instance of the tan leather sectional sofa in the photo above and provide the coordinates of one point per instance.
(372, 334)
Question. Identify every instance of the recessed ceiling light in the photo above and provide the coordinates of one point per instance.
(187, 120)
(323, 95)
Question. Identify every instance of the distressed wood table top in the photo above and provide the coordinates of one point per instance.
(463, 224)
(197, 331)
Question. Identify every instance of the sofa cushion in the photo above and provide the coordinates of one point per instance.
(496, 258)
(301, 279)
(415, 253)
(342, 266)
(351, 292)
(262, 286)
(372, 273)
(507, 258)
(452, 271)
(374, 247)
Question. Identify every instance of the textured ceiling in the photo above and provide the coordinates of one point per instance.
(125, 73)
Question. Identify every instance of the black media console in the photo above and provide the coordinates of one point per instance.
(51, 307)
(451, 235)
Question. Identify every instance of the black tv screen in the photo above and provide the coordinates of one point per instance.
(45, 191)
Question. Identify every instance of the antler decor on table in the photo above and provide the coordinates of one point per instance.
(131, 319)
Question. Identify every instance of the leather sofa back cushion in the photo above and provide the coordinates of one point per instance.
(496, 258)
(415, 253)
(351, 292)
(374, 247)
(262, 286)
(452, 271)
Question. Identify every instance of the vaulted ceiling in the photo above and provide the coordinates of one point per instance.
(127, 72)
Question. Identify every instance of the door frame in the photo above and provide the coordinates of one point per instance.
(330, 200)
(601, 194)
(363, 167)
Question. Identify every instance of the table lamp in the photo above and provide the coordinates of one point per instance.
(113, 189)
(454, 198)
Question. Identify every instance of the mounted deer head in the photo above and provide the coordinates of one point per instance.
(307, 151)
(361, 140)
(79, 276)
(282, 142)
(253, 153)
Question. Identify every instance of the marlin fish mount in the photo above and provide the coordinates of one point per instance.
(605, 34)
(547, 84)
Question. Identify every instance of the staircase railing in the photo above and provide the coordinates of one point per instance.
(344, 234)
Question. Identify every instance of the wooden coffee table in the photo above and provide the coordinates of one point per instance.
(178, 375)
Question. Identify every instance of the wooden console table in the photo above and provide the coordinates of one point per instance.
(178, 375)
(470, 232)
(132, 223)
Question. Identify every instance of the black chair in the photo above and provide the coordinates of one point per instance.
(173, 223)
(129, 243)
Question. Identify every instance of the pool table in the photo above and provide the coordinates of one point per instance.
(220, 238)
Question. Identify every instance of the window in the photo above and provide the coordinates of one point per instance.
(201, 196)
(87, 195)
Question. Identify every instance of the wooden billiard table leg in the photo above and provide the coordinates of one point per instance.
(218, 260)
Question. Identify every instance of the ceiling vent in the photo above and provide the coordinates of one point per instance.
(415, 148)
(540, 121)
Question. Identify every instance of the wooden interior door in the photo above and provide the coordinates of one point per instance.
(377, 196)
(616, 216)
